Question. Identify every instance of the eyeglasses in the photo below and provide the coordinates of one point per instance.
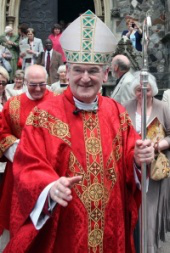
(34, 85)
(2, 83)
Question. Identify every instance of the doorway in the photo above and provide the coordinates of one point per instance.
(43, 14)
(40, 15)
(70, 10)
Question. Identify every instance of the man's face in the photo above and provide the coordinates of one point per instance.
(85, 80)
(48, 45)
(114, 69)
(36, 84)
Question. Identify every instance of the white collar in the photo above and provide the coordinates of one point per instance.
(29, 95)
(86, 106)
(50, 51)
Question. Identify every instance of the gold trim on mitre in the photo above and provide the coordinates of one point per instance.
(88, 40)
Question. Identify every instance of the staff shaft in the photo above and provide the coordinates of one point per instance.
(144, 82)
(143, 239)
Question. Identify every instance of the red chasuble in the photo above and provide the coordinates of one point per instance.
(97, 145)
(14, 115)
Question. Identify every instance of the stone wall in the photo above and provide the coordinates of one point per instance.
(159, 46)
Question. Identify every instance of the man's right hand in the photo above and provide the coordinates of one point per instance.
(60, 192)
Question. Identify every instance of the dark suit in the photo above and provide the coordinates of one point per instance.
(55, 62)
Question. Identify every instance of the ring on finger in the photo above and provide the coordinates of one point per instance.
(56, 192)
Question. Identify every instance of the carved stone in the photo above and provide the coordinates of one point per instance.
(115, 13)
(125, 47)
(10, 20)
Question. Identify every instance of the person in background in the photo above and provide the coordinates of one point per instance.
(4, 78)
(62, 84)
(134, 33)
(4, 54)
(14, 115)
(22, 30)
(18, 87)
(120, 68)
(35, 49)
(63, 24)
(51, 60)
(55, 35)
(166, 97)
(158, 195)
(77, 159)
(11, 42)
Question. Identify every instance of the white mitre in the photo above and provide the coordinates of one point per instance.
(88, 40)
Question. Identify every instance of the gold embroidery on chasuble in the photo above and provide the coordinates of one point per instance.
(57, 128)
(125, 122)
(6, 143)
(55, 93)
(14, 112)
(96, 183)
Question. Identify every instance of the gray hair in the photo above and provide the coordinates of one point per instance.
(19, 73)
(4, 73)
(29, 69)
(151, 81)
(122, 64)
(61, 68)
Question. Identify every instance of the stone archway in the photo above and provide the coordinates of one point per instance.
(9, 13)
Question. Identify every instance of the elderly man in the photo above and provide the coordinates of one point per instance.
(121, 70)
(14, 115)
(76, 164)
(51, 60)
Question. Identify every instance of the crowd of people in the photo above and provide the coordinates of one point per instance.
(24, 49)
(72, 157)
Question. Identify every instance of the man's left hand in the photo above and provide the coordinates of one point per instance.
(144, 152)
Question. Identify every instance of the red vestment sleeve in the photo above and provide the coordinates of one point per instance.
(34, 169)
(6, 136)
